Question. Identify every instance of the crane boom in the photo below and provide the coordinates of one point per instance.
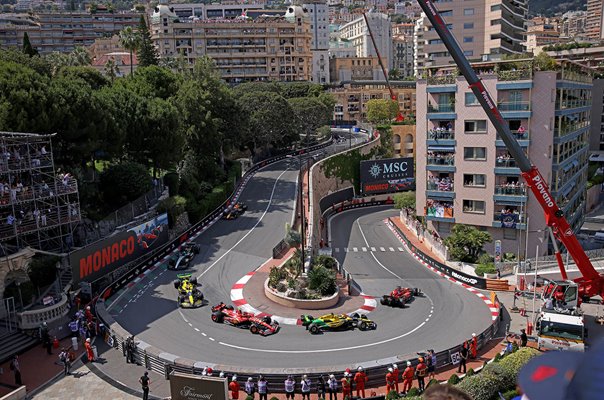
(591, 283)
(399, 116)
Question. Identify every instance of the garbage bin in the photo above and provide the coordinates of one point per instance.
(94, 352)
(74, 343)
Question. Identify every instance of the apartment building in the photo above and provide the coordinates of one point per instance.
(357, 33)
(355, 69)
(244, 49)
(63, 31)
(465, 174)
(574, 24)
(593, 23)
(596, 137)
(403, 53)
(352, 97)
(318, 13)
(542, 32)
(484, 28)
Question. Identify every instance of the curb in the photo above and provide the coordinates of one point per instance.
(492, 308)
(240, 301)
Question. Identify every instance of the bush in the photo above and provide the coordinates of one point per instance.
(497, 357)
(275, 276)
(470, 372)
(281, 287)
(392, 395)
(273, 398)
(485, 269)
(510, 394)
(326, 261)
(171, 180)
(514, 347)
(122, 183)
(508, 380)
(433, 382)
(322, 280)
(482, 387)
(515, 361)
(249, 397)
(42, 270)
(413, 392)
(453, 380)
(485, 258)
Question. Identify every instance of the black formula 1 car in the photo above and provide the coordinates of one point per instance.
(337, 322)
(189, 296)
(234, 211)
(181, 259)
(400, 296)
(222, 313)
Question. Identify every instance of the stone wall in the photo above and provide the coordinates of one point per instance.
(16, 265)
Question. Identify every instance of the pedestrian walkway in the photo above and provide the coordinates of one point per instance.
(367, 249)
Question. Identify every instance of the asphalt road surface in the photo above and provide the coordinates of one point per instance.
(230, 249)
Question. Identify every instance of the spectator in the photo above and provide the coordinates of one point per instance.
(262, 388)
(14, 366)
(431, 358)
(332, 387)
(320, 387)
(145, 381)
(234, 388)
(250, 388)
(290, 386)
(523, 338)
(463, 357)
(305, 387)
(444, 392)
(64, 358)
(346, 386)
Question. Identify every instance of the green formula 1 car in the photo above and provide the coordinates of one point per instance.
(337, 322)
(189, 296)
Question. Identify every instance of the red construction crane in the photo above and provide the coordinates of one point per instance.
(399, 115)
(591, 283)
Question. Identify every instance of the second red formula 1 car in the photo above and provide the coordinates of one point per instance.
(400, 296)
(221, 313)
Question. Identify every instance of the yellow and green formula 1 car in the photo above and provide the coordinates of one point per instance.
(337, 322)
(189, 296)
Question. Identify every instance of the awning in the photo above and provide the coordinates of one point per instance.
(441, 148)
(566, 191)
(575, 163)
(567, 167)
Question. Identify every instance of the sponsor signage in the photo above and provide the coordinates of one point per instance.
(195, 387)
(497, 252)
(387, 176)
(105, 256)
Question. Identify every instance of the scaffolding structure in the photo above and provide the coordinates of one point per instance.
(38, 207)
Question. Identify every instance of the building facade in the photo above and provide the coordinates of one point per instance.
(403, 52)
(596, 137)
(318, 14)
(355, 69)
(64, 31)
(357, 33)
(574, 24)
(593, 28)
(465, 174)
(484, 28)
(244, 49)
(352, 97)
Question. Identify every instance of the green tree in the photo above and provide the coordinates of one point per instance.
(381, 110)
(346, 167)
(543, 62)
(404, 200)
(310, 114)
(153, 81)
(124, 182)
(111, 69)
(292, 90)
(147, 53)
(129, 39)
(466, 242)
(27, 47)
(80, 56)
(38, 64)
(394, 74)
(91, 76)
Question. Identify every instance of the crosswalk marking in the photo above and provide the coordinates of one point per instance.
(382, 249)
(346, 249)
(373, 249)
(391, 248)
(337, 249)
(367, 249)
(355, 249)
(400, 249)
(364, 249)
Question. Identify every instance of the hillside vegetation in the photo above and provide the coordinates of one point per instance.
(549, 7)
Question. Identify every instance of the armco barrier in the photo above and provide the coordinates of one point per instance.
(475, 281)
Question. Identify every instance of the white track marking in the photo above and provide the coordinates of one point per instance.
(381, 248)
(391, 248)
(325, 350)
(270, 200)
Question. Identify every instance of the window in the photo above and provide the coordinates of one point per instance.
(468, 11)
(468, 39)
(495, 22)
(468, 25)
(474, 180)
(435, 41)
(473, 206)
(471, 99)
(468, 53)
(446, 13)
(474, 153)
(475, 126)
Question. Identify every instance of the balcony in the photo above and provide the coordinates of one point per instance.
(515, 75)
(442, 80)
(505, 166)
(442, 189)
(514, 106)
(353, 99)
(441, 112)
(438, 211)
(441, 163)
(511, 190)
(510, 219)
(440, 134)
(564, 104)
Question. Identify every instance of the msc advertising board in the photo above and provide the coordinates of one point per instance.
(100, 258)
(195, 387)
(387, 176)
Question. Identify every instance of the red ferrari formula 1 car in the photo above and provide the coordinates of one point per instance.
(221, 313)
(400, 296)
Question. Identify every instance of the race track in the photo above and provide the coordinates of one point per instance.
(230, 249)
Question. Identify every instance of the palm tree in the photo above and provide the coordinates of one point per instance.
(80, 56)
(129, 39)
(111, 69)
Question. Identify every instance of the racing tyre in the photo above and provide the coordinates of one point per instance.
(267, 319)
(355, 316)
(363, 326)
(217, 317)
(314, 329)
(254, 329)
(181, 299)
(400, 303)
(176, 284)
(193, 280)
(196, 249)
(230, 307)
